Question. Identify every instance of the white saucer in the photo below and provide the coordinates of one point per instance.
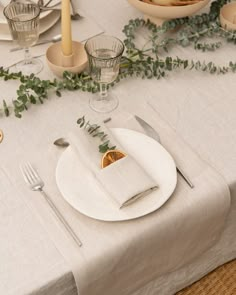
(83, 193)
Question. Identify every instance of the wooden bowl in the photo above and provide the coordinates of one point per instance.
(158, 14)
(228, 16)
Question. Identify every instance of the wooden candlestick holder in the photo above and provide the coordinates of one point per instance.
(59, 63)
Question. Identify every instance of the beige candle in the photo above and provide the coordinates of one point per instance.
(66, 40)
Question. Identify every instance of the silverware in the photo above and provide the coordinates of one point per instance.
(61, 142)
(35, 183)
(54, 39)
(46, 3)
(150, 131)
(43, 8)
(41, 3)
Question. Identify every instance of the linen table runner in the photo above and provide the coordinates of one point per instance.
(119, 257)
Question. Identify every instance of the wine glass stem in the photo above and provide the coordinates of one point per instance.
(103, 91)
(27, 56)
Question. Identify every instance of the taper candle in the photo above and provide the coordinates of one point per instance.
(66, 40)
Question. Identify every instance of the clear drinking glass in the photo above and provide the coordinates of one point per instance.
(104, 55)
(23, 20)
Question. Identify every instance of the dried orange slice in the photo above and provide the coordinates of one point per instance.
(111, 156)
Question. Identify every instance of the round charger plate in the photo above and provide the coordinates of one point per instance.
(82, 192)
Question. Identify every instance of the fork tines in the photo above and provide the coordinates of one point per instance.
(29, 174)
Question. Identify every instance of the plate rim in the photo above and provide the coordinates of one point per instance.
(127, 218)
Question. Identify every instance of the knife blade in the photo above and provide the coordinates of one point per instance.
(151, 132)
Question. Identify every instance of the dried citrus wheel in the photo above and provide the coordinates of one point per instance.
(111, 156)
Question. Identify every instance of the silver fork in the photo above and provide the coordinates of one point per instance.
(35, 183)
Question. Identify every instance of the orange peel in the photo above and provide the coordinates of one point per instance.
(111, 156)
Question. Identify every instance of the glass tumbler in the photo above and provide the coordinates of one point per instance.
(104, 54)
(23, 21)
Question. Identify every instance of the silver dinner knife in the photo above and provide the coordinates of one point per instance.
(150, 131)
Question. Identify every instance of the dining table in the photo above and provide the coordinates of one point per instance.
(160, 252)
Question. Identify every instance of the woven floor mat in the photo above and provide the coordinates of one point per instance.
(221, 281)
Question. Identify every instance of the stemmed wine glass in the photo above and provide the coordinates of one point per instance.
(23, 20)
(104, 55)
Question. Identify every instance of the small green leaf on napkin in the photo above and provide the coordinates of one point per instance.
(94, 131)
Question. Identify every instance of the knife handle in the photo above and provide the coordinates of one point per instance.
(185, 177)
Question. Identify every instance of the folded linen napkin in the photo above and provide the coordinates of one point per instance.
(125, 181)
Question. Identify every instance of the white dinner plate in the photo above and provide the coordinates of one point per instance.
(47, 20)
(83, 193)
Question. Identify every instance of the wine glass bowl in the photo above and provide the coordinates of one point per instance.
(23, 22)
(104, 54)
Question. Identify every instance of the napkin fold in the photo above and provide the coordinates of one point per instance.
(125, 181)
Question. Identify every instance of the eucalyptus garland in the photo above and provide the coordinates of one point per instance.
(145, 62)
(33, 90)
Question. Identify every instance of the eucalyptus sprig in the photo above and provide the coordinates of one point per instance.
(33, 90)
(94, 130)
